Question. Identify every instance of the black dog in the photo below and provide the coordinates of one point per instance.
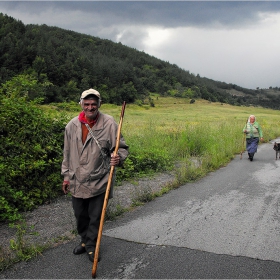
(276, 148)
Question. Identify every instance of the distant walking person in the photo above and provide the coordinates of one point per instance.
(89, 143)
(253, 136)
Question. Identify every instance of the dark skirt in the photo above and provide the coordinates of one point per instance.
(252, 145)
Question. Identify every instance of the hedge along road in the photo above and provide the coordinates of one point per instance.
(223, 226)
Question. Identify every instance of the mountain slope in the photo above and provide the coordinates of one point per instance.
(71, 62)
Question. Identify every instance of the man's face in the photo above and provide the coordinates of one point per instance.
(90, 107)
(252, 119)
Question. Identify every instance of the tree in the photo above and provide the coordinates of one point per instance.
(39, 65)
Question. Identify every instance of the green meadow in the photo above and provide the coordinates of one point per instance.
(190, 139)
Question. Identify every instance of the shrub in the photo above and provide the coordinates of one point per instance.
(31, 154)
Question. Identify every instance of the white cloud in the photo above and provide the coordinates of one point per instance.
(156, 37)
(246, 57)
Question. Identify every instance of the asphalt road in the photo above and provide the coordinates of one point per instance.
(225, 226)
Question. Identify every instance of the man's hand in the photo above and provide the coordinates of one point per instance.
(65, 187)
(115, 160)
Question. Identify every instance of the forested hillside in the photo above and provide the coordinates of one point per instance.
(60, 64)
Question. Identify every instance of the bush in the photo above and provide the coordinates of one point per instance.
(31, 154)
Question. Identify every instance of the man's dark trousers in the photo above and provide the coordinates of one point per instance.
(88, 213)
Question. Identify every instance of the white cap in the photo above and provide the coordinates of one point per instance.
(90, 91)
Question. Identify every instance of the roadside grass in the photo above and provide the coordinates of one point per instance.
(190, 140)
(20, 247)
(208, 134)
(23, 249)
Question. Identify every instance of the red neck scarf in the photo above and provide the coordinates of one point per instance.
(83, 119)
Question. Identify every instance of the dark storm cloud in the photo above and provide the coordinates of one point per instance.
(168, 14)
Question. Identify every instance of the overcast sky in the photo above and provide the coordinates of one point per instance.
(235, 42)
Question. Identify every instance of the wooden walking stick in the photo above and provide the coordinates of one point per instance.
(243, 142)
(242, 146)
(95, 261)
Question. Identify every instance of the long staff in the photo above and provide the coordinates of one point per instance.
(95, 261)
(243, 142)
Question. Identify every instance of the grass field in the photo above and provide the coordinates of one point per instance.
(202, 136)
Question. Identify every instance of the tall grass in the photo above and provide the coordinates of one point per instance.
(192, 139)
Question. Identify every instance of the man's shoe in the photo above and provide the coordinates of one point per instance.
(91, 256)
(80, 249)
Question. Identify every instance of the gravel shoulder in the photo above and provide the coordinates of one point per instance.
(54, 223)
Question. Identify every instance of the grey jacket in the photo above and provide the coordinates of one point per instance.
(83, 165)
